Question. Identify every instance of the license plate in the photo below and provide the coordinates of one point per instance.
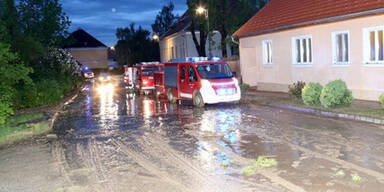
(225, 91)
(150, 78)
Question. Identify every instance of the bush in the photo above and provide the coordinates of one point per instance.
(56, 75)
(12, 72)
(381, 98)
(336, 93)
(244, 88)
(295, 90)
(43, 92)
(311, 94)
(58, 63)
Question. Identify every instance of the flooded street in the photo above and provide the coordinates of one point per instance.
(113, 141)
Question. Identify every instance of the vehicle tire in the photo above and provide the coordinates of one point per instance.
(236, 102)
(171, 97)
(198, 100)
(155, 92)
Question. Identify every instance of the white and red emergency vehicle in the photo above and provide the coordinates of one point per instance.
(129, 77)
(201, 80)
(144, 76)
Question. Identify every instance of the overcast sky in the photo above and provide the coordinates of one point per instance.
(101, 17)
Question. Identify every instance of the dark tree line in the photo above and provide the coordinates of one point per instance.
(225, 16)
(31, 31)
(135, 45)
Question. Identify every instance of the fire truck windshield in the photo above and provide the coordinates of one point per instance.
(214, 71)
(148, 71)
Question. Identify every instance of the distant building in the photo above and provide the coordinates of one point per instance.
(178, 43)
(315, 41)
(87, 50)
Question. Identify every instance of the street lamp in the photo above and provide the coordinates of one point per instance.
(200, 11)
(155, 37)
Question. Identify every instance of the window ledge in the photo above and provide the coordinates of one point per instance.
(302, 65)
(376, 64)
(340, 65)
(268, 65)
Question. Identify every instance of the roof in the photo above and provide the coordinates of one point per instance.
(82, 39)
(183, 23)
(285, 14)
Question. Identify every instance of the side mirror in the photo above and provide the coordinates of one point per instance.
(234, 73)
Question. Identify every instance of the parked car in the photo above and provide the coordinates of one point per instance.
(87, 73)
(104, 78)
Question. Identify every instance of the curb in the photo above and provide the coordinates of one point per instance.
(325, 113)
(52, 120)
(332, 114)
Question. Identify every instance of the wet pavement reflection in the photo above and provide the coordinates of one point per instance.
(111, 140)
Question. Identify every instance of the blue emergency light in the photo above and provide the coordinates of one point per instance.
(215, 59)
(194, 59)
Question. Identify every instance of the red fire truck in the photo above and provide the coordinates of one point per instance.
(144, 76)
(201, 80)
(159, 83)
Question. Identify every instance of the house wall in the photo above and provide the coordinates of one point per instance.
(366, 81)
(94, 58)
(183, 46)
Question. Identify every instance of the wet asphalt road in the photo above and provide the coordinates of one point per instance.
(113, 141)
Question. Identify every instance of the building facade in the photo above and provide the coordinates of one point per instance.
(345, 44)
(87, 50)
(178, 42)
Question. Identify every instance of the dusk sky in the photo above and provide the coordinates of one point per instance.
(101, 17)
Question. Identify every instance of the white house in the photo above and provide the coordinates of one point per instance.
(315, 41)
(178, 43)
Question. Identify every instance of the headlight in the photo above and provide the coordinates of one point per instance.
(205, 83)
(236, 81)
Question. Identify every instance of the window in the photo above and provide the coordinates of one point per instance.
(373, 45)
(340, 42)
(191, 74)
(173, 52)
(214, 71)
(302, 50)
(182, 74)
(267, 52)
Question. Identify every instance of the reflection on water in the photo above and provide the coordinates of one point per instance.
(146, 107)
(108, 107)
(224, 123)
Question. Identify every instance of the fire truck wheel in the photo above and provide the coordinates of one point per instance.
(171, 98)
(198, 100)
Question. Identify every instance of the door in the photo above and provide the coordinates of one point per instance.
(192, 80)
(184, 93)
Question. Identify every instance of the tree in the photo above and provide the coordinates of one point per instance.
(198, 23)
(225, 16)
(164, 19)
(44, 21)
(229, 15)
(135, 45)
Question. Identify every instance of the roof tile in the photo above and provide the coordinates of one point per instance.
(279, 13)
